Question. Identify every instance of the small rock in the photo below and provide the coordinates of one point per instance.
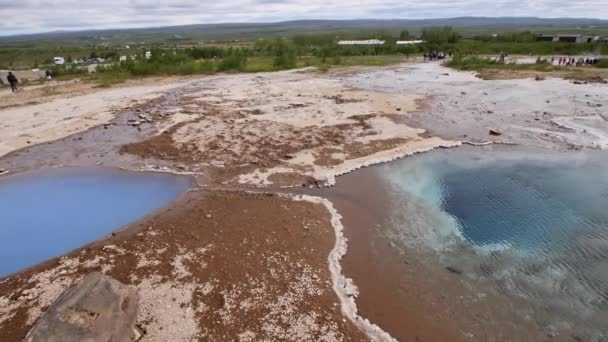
(454, 269)
(3, 171)
(398, 109)
(551, 331)
(539, 78)
(208, 216)
(494, 131)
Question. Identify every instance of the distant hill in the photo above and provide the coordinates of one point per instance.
(254, 30)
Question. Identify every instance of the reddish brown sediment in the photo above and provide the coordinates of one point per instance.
(211, 266)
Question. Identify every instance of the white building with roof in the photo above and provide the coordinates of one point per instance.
(409, 42)
(362, 42)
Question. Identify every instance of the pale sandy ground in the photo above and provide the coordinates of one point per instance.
(26, 125)
(552, 113)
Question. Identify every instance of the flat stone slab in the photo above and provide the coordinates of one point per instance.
(98, 308)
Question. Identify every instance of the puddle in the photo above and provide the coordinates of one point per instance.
(48, 213)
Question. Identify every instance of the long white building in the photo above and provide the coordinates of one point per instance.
(409, 42)
(362, 42)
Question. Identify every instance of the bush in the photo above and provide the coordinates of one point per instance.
(234, 62)
(602, 63)
(440, 35)
(68, 70)
(285, 56)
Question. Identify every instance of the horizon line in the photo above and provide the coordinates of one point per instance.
(124, 28)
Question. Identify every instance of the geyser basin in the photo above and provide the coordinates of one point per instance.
(535, 223)
(48, 213)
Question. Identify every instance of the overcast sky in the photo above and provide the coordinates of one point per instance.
(29, 16)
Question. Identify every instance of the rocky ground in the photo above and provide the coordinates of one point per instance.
(287, 128)
(224, 263)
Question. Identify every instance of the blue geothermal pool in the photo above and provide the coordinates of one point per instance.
(536, 224)
(48, 213)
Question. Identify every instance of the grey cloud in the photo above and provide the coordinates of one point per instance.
(27, 16)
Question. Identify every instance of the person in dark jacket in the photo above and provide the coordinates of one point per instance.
(13, 81)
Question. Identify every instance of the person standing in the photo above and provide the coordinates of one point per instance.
(13, 81)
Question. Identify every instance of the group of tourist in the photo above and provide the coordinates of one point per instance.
(571, 61)
(436, 55)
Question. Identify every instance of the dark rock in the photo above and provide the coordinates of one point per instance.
(98, 308)
(454, 269)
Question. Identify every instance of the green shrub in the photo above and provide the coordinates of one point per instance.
(285, 55)
(602, 63)
(234, 62)
(68, 70)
